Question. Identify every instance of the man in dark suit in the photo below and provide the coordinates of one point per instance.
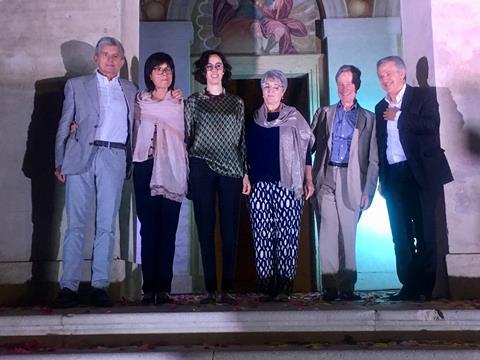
(412, 170)
(92, 156)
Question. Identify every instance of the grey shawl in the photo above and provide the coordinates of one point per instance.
(295, 137)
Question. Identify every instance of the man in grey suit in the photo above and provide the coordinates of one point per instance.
(92, 156)
(345, 174)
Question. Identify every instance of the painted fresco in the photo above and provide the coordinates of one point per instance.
(260, 27)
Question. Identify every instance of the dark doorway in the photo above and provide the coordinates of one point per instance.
(296, 95)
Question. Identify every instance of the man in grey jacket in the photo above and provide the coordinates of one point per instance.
(345, 174)
(92, 156)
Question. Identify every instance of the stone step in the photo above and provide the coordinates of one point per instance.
(260, 354)
(249, 329)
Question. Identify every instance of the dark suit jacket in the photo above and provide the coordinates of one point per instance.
(418, 127)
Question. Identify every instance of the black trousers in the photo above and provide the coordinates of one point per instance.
(205, 186)
(411, 211)
(159, 221)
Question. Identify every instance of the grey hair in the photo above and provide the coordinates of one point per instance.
(276, 75)
(397, 60)
(109, 41)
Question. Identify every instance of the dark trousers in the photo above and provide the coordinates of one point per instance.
(205, 186)
(159, 220)
(411, 210)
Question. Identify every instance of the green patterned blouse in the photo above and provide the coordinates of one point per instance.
(215, 132)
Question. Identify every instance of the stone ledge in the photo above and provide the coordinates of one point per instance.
(241, 322)
(266, 353)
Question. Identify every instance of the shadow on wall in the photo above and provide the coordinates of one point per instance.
(464, 146)
(47, 195)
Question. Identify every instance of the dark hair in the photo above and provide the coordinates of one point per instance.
(356, 73)
(154, 60)
(199, 72)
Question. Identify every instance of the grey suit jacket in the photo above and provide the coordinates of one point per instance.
(362, 170)
(81, 104)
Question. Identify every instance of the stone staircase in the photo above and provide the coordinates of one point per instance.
(304, 328)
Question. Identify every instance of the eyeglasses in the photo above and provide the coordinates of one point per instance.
(211, 67)
(273, 88)
(165, 70)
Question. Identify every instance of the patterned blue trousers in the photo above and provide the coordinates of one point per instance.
(275, 217)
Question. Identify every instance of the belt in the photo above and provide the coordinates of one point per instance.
(336, 164)
(109, 144)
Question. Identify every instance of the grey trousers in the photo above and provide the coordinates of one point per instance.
(337, 225)
(101, 187)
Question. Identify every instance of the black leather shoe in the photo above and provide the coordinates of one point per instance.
(265, 297)
(404, 294)
(329, 294)
(209, 298)
(66, 299)
(349, 296)
(282, 297)
(148, 298)
(163, 297)
(99, 298)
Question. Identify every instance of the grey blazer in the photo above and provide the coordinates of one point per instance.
(362, 170)
(81, 104)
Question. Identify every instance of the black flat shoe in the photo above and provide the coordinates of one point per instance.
(148, 298)
(209, 298)
(329, 294)
(66, 299)
(349, 296)
(265, 298)
(404, 295)
(282, 297)
(226, 298)
(163, 297)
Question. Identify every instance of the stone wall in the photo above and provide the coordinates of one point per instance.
(43, 43)
(441, 50)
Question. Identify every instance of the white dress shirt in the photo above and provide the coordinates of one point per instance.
(113, 125)
(395, 153)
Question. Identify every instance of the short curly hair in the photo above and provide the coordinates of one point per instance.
(201, 63)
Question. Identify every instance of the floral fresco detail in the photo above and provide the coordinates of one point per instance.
(268, 21)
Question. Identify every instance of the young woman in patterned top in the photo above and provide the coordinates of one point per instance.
(215, 137)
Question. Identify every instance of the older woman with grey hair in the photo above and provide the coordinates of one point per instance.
(279, 140)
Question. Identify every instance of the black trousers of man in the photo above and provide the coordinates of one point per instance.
(411, 211)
